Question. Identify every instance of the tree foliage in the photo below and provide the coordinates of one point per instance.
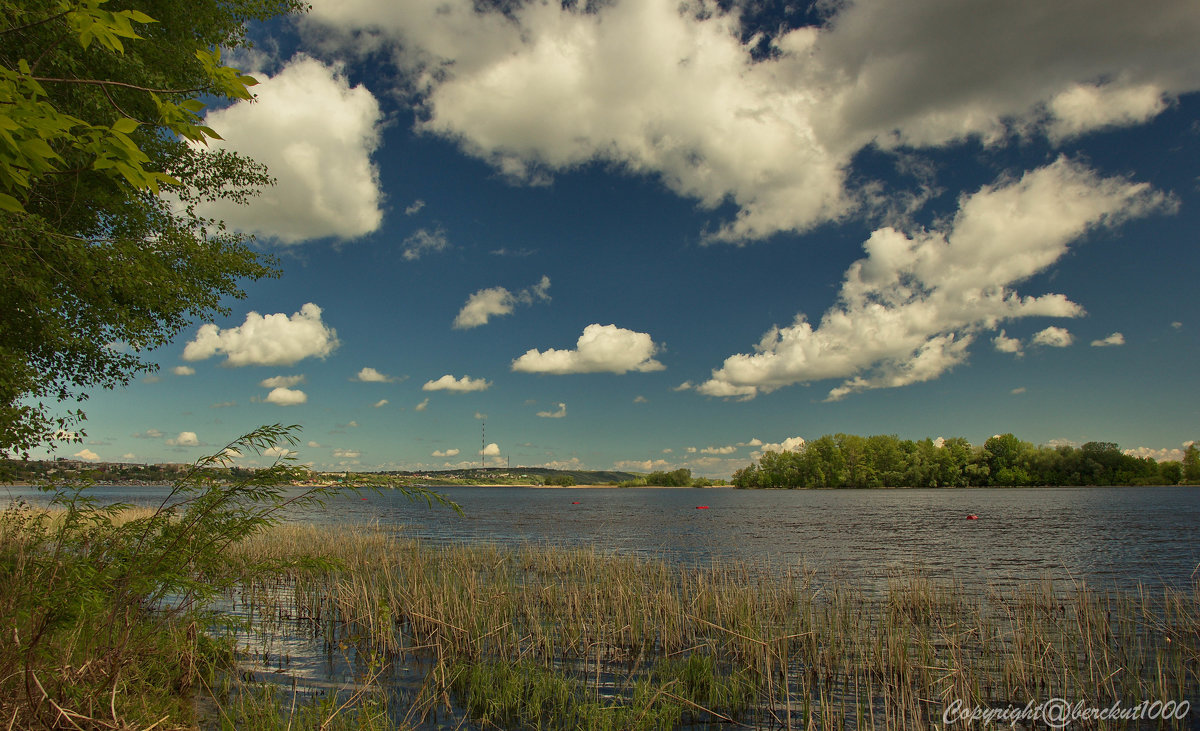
(102, 169)
(847, 460)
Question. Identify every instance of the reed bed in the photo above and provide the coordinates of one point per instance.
(542, 636)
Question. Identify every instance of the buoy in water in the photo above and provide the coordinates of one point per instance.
(575, 503)
(701, 507)
(972, 516)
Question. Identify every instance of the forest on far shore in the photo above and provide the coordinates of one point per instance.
(885, 460)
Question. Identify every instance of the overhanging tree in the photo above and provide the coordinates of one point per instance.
(103, 165)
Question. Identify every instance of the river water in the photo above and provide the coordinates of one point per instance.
(1104, 536)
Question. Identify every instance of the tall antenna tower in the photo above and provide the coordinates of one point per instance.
(482, 444)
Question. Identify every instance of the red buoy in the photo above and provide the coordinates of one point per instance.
(972, 516)
(701, 507)
(575, 503)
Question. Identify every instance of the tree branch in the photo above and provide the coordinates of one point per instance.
(122, 84)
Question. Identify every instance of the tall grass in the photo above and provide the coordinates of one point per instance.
(104, 620)
(557, 637)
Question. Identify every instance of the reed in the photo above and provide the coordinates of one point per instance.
(543, 636)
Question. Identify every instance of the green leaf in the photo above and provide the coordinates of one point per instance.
(10, 204)
(125, 125)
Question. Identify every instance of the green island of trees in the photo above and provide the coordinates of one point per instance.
(885, 460)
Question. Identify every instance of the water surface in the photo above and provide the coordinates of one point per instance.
(1105, 536)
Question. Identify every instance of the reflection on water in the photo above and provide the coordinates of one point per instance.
(1109, 536)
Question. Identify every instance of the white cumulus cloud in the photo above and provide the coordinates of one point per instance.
(183, 371)
(498, 301)
(462, 385)
(491, 450)
(281, 381)
(275, 339)
(445, 453)
(1053, 337)
(370, 375)
(1114, 339)
(1158, 455)
(87, 455)
(600, 349)
(316, 135)
(668, 89)
(557, 414)
(380, 403)
(286, 396)
(1005, 344)
(422, 406)
(347, 453)
(908, 311)
(185, 439)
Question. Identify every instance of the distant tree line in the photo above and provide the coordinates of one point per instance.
(848, 460)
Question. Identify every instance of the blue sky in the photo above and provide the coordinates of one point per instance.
(654, 235)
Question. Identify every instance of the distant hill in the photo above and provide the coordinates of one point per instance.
(515, 475)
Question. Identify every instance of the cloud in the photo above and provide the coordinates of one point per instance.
(498, 301)
(129, 456)
(286, 397)
(149, 434)
(600, 349)
(791, 444)
(422, 242)
(1005, 344)
(347, 453)
(728, 449)
(1114, 339)
(281, 381)
(316, 134)
(380, 403)
(461, 385)
(754, 442)
(422, 406)
(183, 371)
(1053, 337)
(1018, 391)
(414, 207)
(314, 445)
(669, 90)
(445, 453)
(370, 375)
(185, 439)
(645, 465)
(223, 405)
(278, 452)
(640, 399)
(275, 339)
(1158, 455)
(560, 413)
(88, 455)
(908, 311)
(491, 450)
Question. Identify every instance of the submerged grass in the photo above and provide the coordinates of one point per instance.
(571, 638)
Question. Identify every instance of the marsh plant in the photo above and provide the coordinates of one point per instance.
(550, 637)
(105, 611)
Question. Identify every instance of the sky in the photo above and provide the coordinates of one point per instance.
(660, 234)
